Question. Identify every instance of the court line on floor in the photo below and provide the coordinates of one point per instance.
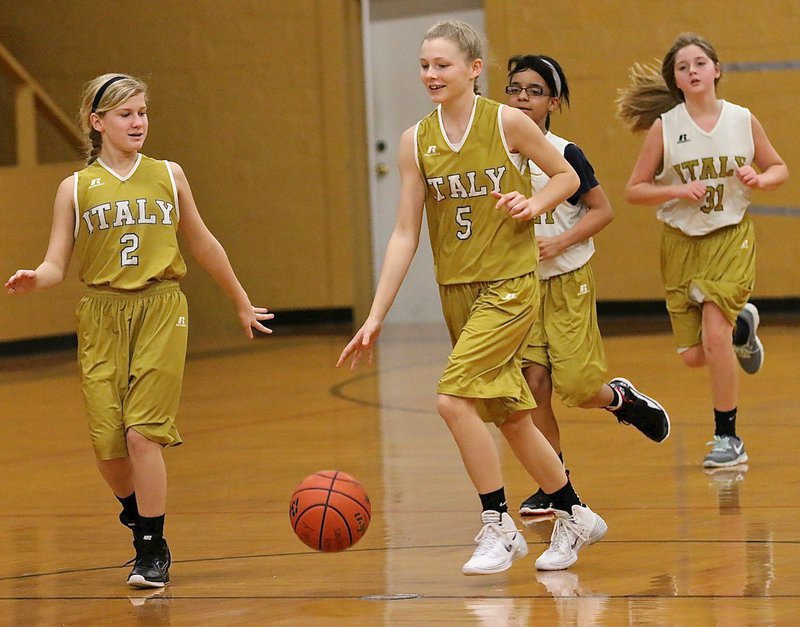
(229, 558)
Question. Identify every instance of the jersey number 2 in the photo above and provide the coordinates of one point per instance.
(131, 243)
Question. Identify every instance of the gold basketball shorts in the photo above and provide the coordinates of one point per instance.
(490, 325)
(131, 352)
(566, 338)
(719, 267)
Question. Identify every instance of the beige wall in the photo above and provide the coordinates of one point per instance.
(596, 41)
(260, 101)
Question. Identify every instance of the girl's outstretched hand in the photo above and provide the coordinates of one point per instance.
(361, 345)
(251, 318)
(21, 281)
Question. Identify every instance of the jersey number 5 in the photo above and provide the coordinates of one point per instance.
(463, 220)
(131, 243)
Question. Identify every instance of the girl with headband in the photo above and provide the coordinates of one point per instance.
(566, 352)
(121, 215)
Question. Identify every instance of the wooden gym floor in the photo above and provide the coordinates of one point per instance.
(684, 546)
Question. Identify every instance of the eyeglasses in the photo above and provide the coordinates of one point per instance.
(533, 91)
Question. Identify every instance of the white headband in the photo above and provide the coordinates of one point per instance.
(556, 77)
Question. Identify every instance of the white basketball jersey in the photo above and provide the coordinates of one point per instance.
(692, 154)
(557, 221)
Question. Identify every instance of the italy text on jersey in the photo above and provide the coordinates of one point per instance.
(473, 187)
(100, 216)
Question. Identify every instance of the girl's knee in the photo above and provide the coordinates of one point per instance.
(539, 381)
(447, 406)
(694, 357)
(517, 427)
(138, 444)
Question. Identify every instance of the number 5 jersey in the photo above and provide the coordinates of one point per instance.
(471, 240)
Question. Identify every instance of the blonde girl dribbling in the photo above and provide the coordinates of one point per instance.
(463, 166)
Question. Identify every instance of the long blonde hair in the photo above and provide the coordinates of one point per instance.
(653, 90)
(114, 94)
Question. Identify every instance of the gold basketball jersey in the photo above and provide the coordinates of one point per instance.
(471, 240)
(126, 226)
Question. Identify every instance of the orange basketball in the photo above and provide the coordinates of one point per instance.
(330, 511)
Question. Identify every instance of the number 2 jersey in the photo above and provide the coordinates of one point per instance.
(472, 241)
(126, 226)
(692, 154)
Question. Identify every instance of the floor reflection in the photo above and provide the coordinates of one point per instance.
(151, 607)
(499, 612)
(727, 481)
(576, 603)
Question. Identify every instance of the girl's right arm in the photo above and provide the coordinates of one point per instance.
(54, 267)
(642, 189)
(399, 253)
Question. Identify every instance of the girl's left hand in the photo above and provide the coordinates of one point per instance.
(250, 318)
(549, 247)
(748, 176)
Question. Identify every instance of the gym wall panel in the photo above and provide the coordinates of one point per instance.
(596, 43)
(260, 101)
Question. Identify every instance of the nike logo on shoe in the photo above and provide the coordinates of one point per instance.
(738, 449)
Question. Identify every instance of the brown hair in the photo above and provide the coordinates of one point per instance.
(113, 96)
(653, 90)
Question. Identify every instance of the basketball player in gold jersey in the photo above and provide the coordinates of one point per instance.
(465, 165)
(121, 215)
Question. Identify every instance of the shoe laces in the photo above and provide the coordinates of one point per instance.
(744, 351)
(720, 443)
(564, 531)
(487, 537)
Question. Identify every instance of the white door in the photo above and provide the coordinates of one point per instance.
(398, 101)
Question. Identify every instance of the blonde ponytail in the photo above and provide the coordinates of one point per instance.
(641, 103)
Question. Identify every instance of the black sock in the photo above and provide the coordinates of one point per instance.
(561, 457)
(130, 512)
(564, 498)
(725, 422)
(495, 501)
(151, 532)
(616, 402)
(741, 331)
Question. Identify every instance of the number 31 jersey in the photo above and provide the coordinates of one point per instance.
(126, 226)
(711, 157)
